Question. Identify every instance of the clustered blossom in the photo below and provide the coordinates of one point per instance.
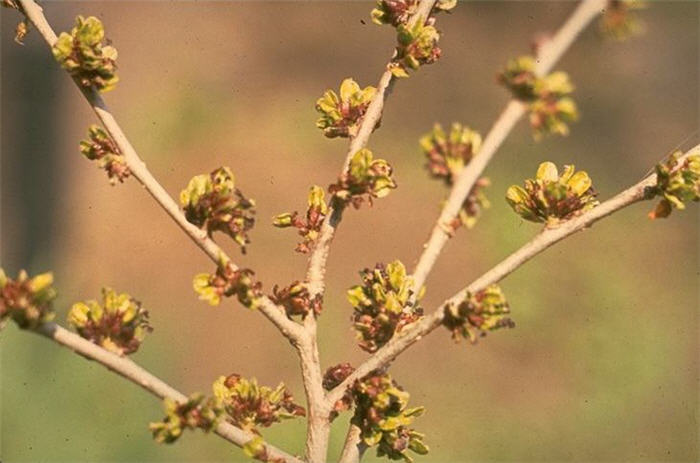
(677, 181)
(618, 20)
(310, 226)
(197, 412)
(398, 12)
(551, 109)
(228, 281)
(552, 198)
(248, 405)
(297, 300)
(119, 324)
(366, 178)
(27, 301)
(381, 413)
(417, 46)
(483, 311)
(447, 155)
(382, 304)
(212, 202)
(341, 115)
(85, 57)
(100, 147)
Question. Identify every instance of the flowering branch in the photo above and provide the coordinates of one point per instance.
(548, 237)
(316, 269)
(139, 170)
(125, 367)
(548, 54)
(318, 421)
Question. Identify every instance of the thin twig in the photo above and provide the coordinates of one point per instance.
(126, 368)
(139, 170)
(538, 244)
(548, 54)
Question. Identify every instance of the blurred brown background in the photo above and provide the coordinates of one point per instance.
(603, 364)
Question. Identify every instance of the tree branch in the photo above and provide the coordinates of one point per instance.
(126, 368)
(139, 170)
(547, 56)
(542, 241)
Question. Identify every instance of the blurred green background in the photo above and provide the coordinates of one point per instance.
(603, 364)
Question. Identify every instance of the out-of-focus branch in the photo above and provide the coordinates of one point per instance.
(548, 237)
(139, 170)
(125, 367)
(548, 54)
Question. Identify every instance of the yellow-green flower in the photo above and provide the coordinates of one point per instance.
(197, 412)
(249, 405)
(341, 114)
(366, 178)
(382, 304)
(83, 54)
(27, 301)
(212, 202)
(552, 198)
(676, 182)
(483, 311)
(101, 148)
(118, 324)
(547, 97)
